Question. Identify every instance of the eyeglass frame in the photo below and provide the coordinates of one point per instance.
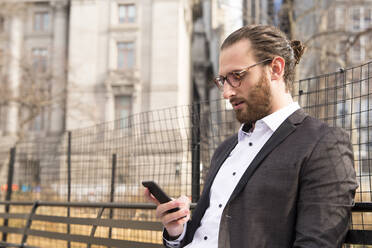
(217, 80)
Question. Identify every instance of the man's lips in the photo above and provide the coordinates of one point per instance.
(237, 104)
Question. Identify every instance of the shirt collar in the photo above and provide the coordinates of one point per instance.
(273, 121)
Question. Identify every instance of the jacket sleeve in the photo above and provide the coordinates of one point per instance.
(168, 242)
(326, 193)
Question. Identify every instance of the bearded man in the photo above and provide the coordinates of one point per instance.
(285, 179)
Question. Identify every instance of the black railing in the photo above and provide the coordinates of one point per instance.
(85, 227)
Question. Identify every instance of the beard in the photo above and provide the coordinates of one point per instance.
(258, 102)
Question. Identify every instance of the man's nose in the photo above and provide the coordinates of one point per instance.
(228, 91)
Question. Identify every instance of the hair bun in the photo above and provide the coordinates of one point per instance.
(298, 50)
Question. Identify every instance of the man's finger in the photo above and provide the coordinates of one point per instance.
(163, 209)
(150, 197)
(175, 217)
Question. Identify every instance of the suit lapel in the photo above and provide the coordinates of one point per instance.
(287, 127)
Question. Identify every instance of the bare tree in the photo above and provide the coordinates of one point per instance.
(32, 94)
(324, 26)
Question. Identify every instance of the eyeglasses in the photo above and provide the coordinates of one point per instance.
(234, 78)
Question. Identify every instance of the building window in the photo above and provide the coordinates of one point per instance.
(41, 21)
(343, 114)
(39, 122)
(356, 52)
(32, 174)
(125, 55)
(365, 150)
(127, 13)
(2, 79)
(40, 60)
(3, 116)
(2, 62)
(366, 165)
(277, 5)
(367, 17)
(123, 109)
(355, 16)
(362, 115)
(2, 24)
(340, 17)
(253, 11)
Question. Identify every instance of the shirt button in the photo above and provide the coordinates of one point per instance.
(250, 144)
(205, 237)
(220, 206)
(234, 173)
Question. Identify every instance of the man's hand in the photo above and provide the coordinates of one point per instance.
(173, 222)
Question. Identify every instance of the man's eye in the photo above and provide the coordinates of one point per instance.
(237, 75)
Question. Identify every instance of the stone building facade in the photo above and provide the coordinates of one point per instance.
(104, 59)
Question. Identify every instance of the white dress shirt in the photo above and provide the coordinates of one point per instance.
(229, 175)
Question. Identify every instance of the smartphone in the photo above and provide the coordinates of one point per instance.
(158, 193)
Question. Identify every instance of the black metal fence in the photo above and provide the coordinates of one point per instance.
(173, 146)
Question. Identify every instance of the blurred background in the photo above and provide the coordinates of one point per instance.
(68, 64)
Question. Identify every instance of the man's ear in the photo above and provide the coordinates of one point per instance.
(277, 68)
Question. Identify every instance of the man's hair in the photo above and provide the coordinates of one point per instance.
(268, 42)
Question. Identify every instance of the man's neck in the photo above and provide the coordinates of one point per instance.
(281, 101)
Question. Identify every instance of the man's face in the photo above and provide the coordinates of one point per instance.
(252, 100)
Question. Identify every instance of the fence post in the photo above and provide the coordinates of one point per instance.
(195, 153)
(68, 182)
(8, 195)
(344, 96)
(112, 193)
